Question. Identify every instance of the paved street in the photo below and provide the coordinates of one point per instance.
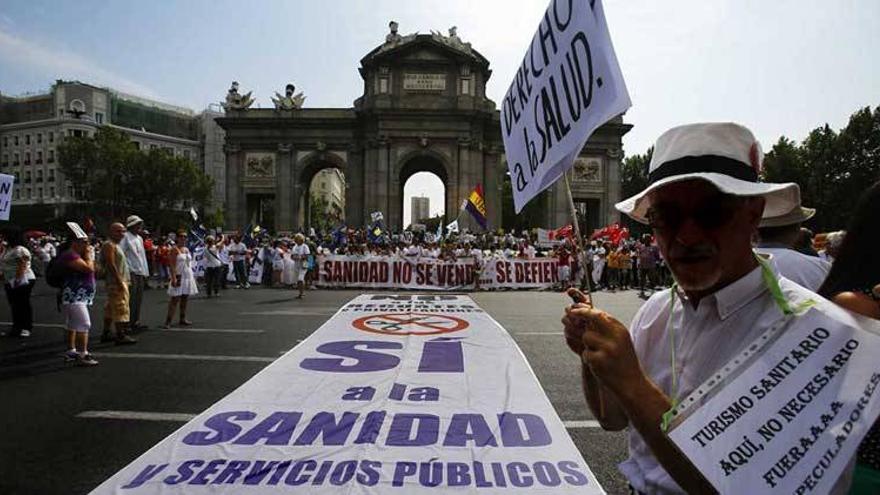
(59, 433)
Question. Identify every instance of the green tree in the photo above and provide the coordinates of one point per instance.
(633, 180)
(112, 179)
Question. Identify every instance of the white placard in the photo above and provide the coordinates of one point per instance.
(6, 183)
(568, 84)
(394, 394)
(786, 415)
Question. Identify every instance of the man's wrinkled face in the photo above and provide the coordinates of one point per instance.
(703, 234)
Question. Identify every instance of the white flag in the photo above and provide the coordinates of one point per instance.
(569, 84)
(452, 227)
(377, 216)
(193, 214)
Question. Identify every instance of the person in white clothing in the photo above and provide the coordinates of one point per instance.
(704, 203)
(183, 281)
(132, 246)
(777, 238)
(213, 267)
(299, 254)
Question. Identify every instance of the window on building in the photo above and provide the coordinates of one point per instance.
(28, 193)
(27, 157)
(99, 118)
(51, 158)
(186, 154)
(168, 149)
(15, 159)
(52, 192)
(137, 144)
(465, 86)
(5, 141)
(39, 157)
(39, 175)
(51, 136)
(51, 177)
(27, 139)
(39, 137)
(77, 133)
(40, 193)
(5, 159)
(153, 147)
(27, 176)
(15, 140)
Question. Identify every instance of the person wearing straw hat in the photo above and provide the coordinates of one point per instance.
(778, 236)
(132, 245)
(704, 203)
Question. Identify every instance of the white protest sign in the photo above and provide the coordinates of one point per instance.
(394, 394)
(6, 182)
(786, 415)
(377, 216)
(568, 84)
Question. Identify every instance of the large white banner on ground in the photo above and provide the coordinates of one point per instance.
(392, 272)
(568, 84)
(408, 394)
(786, 415)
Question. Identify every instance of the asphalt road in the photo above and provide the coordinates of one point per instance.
(49, 444)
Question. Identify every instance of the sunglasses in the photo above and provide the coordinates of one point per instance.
(711, 214)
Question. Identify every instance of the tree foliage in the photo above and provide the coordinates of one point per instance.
(634, 179)
(112, 179)
(832, 168)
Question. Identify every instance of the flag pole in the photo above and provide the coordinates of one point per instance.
(577, 233)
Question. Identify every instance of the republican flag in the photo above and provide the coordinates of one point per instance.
(477, 206)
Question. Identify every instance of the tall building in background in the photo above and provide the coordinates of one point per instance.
(420, 209)
(32, 126)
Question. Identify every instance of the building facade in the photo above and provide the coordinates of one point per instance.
(420, 209)
(32, 127)
(423, 109)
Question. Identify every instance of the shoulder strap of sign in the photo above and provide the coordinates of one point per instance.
(772, 284)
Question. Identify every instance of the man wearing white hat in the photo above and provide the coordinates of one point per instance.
(704, 203)
(778, 237)
(133, 246)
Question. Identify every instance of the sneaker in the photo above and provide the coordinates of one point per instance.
(71, 355)
(25, 333)
(87, 360)
(125, 340)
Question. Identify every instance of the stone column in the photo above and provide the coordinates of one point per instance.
(612, 166)
(492, 185)
(234, 195)
(354, 187)
(284, 219)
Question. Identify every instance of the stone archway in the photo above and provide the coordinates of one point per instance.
(411, 164)
(309, 167)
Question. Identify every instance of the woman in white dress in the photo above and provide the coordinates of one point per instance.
(183, 281)
(299, 255)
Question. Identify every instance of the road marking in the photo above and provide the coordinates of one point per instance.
(537, 333)
(213, 330)
(289, 312)
(138, 415)
(45, 325)
(185, 357)
(587, 423)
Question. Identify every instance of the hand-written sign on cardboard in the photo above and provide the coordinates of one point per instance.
(568, 84)
(790, 417)
(6, 182)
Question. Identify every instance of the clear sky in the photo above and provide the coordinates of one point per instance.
(779, 67)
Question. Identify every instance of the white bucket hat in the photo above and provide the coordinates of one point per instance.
(722, 153)
(133, 220)
(797, 215)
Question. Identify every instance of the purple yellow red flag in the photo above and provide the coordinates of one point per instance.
(476, 205)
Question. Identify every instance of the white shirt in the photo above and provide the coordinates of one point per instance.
(529, 251)
(808, 271)
(299, 252)
(237, 251)
(211, 257)
(133, 247)
(733, 316)
(223, 254)
(412, 251)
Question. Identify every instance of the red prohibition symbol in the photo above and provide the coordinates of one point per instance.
(409, 324)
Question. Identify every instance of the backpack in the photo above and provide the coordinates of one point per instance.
(56, 272)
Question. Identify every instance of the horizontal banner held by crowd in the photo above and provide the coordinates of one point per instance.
(383, 398)
(787, 415)
(387, 272)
